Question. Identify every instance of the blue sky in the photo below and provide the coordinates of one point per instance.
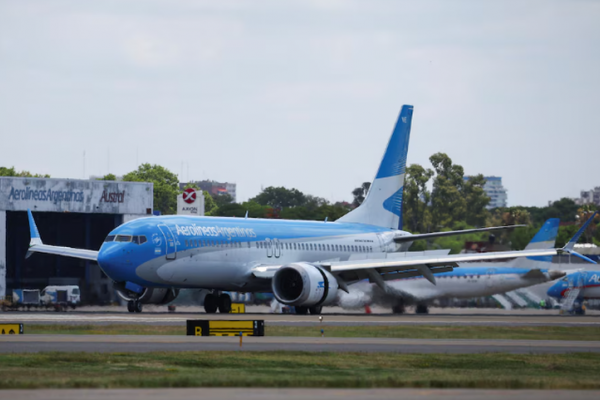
(303, 93)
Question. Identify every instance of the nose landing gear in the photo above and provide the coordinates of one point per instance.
(134, 306)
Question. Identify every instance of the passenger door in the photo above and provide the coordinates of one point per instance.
(170, 243)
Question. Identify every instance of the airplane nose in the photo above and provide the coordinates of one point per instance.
(554, 290)
(108, 259)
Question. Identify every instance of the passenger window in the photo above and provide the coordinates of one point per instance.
(109, 238)
(186, 243)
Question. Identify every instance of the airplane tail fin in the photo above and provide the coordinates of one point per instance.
(383, 204)
(545, 238)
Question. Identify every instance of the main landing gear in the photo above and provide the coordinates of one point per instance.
(398, 308)
(134, 306)
(422, 309)
(312, 310)
(222, 302)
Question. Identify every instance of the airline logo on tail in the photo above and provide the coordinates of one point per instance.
(383, 204)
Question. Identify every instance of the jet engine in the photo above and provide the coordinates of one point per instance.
(159, 296)
(304, 285)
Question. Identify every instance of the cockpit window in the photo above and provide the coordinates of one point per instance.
(123, 238)
(109, 238)
(139, 239)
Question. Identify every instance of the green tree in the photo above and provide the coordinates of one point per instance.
(108, 177)
(223, 199)
(229, 210)
(210, 206)
(165, 185)
(416, 198)
(360, 193)
(447, 201)
(4, 171)
(476, 200)
(280, 197)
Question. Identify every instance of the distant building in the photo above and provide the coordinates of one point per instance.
(589, 197)
(495, 191)
(214, 188)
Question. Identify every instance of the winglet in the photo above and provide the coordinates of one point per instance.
(574, 239)
(33, 230)
(569, 246)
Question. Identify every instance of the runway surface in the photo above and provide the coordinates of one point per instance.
(485, 317)
(296, 394)
(131, 343)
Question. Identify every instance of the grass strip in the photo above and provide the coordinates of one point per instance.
(298, 369)
(387, 331)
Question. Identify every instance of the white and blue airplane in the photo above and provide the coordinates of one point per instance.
(469, 281)
(303, 263)
(579, 284)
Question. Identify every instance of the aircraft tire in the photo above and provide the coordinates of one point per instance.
(138, 306)
(224, 304)
(315, 310)
(301, 310)
(210, 304)
(421, 309)
(130, 306)
(398, 308)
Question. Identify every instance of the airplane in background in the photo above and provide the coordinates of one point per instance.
(577, 285)
(303, 263)
(470, 280)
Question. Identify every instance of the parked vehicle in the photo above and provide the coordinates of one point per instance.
(67, 295)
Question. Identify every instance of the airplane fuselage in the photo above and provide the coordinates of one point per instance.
(218, 253)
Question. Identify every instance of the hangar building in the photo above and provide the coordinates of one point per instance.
(68, 212)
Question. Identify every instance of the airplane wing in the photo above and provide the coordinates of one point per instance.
(63, 251)
(380, 270)
(421, 236)
(36, 245)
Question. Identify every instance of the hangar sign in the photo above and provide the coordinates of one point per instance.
(45, 195)
(69, 195)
